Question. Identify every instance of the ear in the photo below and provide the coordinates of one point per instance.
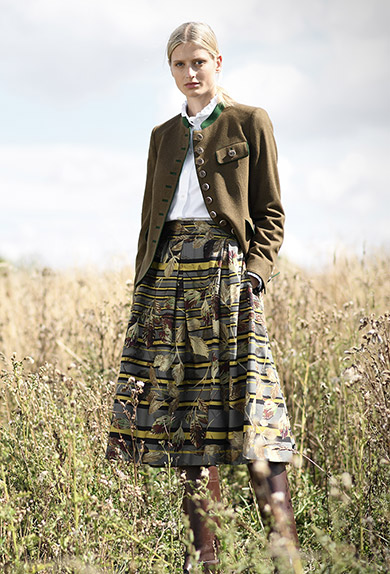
(218, 62)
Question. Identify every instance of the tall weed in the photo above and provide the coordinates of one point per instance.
(65, 508)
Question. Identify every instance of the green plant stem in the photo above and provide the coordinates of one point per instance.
(11, 525)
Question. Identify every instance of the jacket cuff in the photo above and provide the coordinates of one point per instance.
(261, 284)
(259, 267)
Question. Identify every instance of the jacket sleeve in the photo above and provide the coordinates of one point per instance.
(265, 206)
(146, 206)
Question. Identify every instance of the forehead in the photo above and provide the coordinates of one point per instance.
(189, 51)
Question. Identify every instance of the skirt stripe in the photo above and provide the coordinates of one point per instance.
(197, 382)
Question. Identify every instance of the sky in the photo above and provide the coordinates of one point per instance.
(83, 82)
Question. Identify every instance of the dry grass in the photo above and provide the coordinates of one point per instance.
(63, 508)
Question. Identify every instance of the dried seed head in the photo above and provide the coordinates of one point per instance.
(346, 480)
(278, 496)
(297, 460)
(261, 467)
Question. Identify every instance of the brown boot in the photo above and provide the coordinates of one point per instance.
(274, 499)
(205, 540)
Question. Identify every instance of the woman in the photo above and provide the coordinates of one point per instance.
(198, 386)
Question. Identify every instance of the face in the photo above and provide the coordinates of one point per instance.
(194, 70)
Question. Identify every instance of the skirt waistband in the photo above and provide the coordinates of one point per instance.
(192, 227)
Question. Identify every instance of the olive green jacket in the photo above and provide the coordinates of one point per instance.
(236, 164)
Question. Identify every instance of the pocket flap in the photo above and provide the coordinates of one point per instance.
(232, 152)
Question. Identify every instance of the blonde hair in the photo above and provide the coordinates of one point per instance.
(202, 35)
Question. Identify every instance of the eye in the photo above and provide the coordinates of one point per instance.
(199, 62)
(178, 64)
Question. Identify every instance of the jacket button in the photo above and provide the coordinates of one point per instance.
(199, 137)
(232, 152)
(222, 222)
(213, 214)
(199, 161)
(232, 231)
(199, 149)
(205, 187)
(202, 173)
(209, 199)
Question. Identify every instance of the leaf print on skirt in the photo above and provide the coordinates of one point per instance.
(197, 340)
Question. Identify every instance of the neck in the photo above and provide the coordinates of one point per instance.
(196, 105)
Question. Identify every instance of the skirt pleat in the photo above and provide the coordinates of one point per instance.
(197, 382)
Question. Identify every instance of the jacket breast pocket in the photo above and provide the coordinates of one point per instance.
(232, 152)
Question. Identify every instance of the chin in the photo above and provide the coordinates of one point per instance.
(195, 92)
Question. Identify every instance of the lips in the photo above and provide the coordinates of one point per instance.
(192, 85)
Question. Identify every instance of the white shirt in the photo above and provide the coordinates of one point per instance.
(188, 202)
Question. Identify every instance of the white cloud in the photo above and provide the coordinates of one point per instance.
(341, 203)
(313, 252)
(282, 89)
(74, 178)
(68, 203)
(318, 66)
(71, 49)
(336, 184)
(358, 181)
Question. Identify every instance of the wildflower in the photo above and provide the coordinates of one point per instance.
(43, 475)
(205, 472)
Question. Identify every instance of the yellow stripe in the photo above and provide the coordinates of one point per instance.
(208, 381)
(199, 365)
(136, 362)
(210, 435)
(191, 266)
(194, 403)
(215, 340)
(199, 315)
(157, 346)
(163, 383)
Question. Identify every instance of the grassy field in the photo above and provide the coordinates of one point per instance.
(64, 508)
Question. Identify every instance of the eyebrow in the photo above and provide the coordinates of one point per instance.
(192, 59)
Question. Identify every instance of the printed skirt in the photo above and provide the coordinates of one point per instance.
(197, 382)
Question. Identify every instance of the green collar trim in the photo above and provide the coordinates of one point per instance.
(214, 115)
(208, 121)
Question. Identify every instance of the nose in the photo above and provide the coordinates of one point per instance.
(190, 73)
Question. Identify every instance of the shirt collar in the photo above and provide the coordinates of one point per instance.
(196, 121)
